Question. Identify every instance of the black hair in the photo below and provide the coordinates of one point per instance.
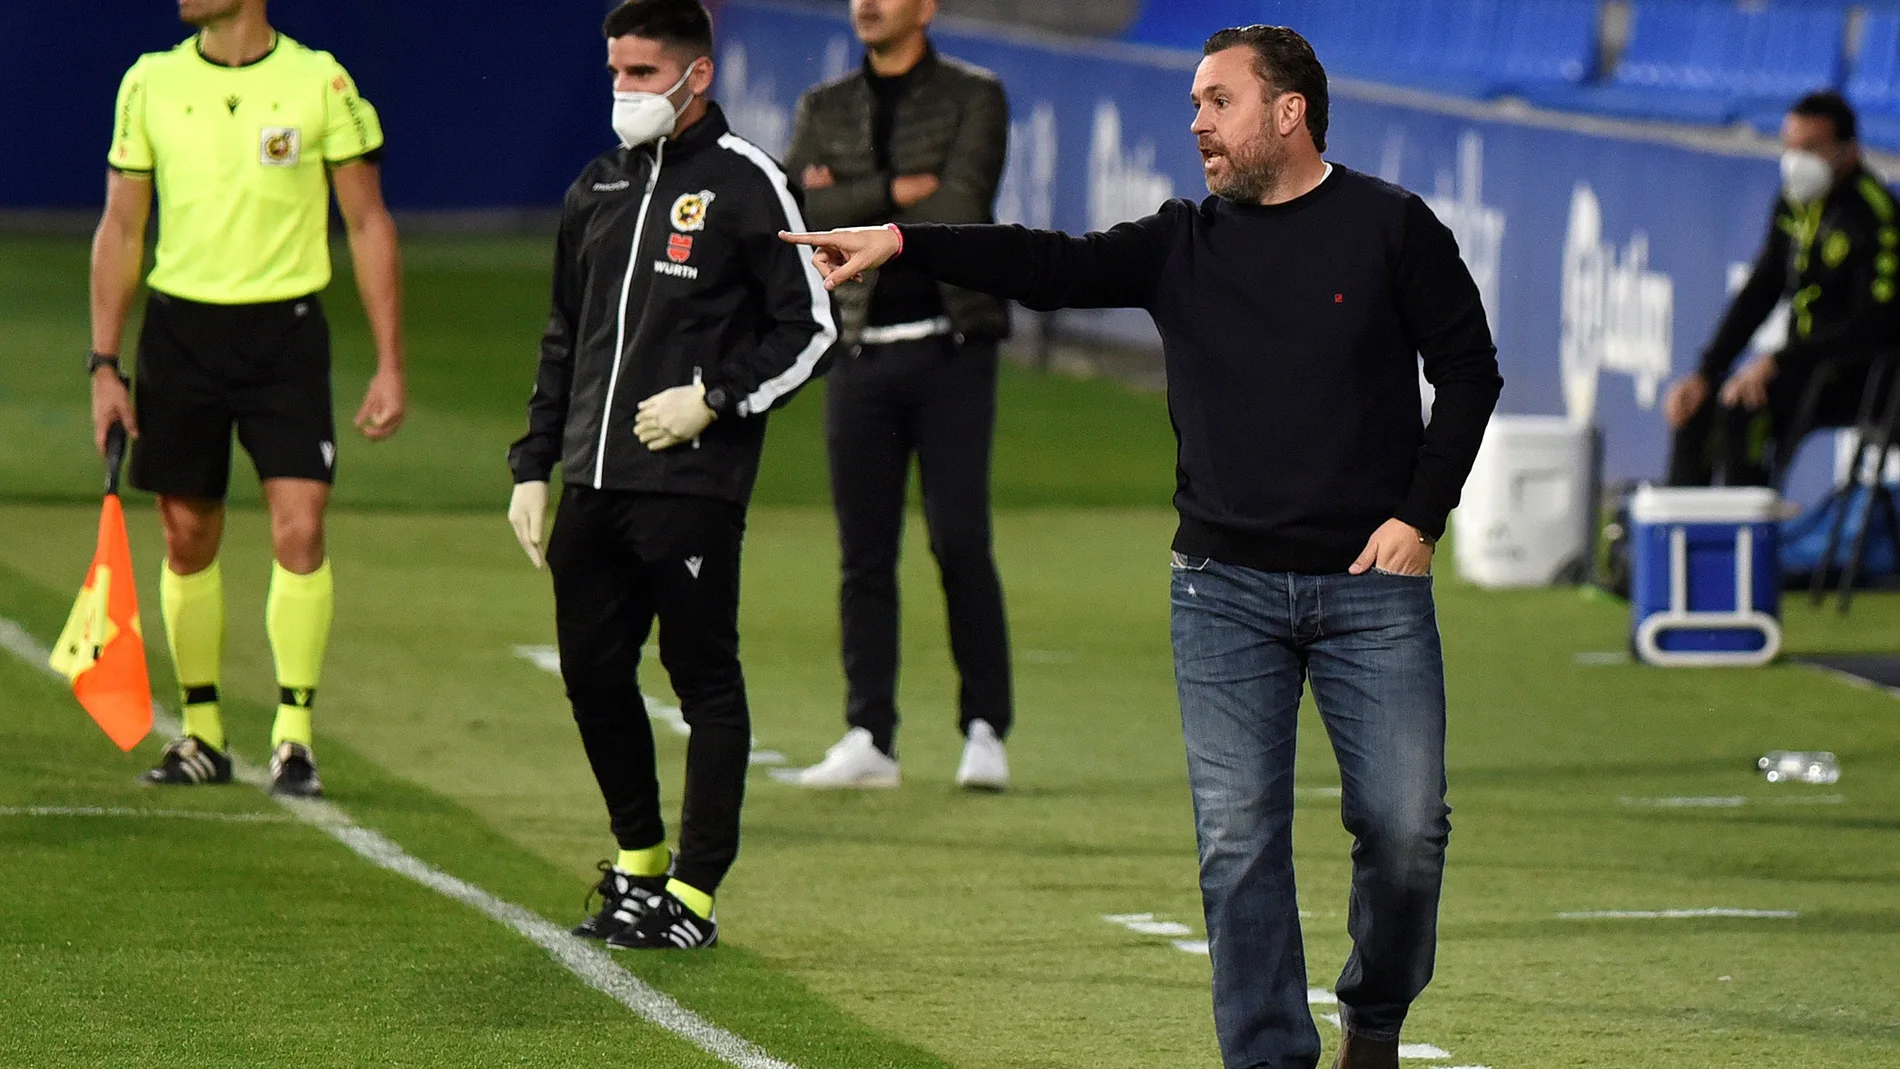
(1833, 107)
(682, 24)
(1286, 63)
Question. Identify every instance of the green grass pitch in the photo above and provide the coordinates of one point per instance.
(920, 928)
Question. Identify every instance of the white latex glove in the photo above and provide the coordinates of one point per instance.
(527, 511)
(672, 417)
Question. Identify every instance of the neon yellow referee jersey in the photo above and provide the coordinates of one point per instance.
(241, 156)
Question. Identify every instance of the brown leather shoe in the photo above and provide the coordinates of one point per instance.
(1358, 1052)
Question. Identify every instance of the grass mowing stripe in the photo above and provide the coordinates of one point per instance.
(150, 814)
(1678, 914)
(594, 966)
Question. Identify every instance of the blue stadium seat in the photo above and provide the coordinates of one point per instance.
(1478, 48)
(1874, 87)
(1710, 61)
(1188, 23)
(1875, 83)
(1549, 43)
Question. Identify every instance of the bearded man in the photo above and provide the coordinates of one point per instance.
(1293, 305)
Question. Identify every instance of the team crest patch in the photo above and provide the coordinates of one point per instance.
(280, 146)
(689, 212)
(679, 248)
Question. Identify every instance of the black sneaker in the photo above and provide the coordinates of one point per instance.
(293, 771)
(667, 925)
(188, 761)
(623, 901)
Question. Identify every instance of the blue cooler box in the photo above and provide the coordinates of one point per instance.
(1705, 582)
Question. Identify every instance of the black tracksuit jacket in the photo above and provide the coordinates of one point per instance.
(1838, 263)
(709, 294)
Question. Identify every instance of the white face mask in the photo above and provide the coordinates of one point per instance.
(1805, 177)
(643, 117)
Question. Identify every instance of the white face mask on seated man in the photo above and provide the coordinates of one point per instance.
(1805, 176)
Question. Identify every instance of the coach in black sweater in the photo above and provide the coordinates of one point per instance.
(1293, 305)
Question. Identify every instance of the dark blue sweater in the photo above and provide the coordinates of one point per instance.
(1291, 334)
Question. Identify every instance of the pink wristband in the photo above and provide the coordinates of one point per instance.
(892, 227)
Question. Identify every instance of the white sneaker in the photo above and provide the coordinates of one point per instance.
(985, 766)
(854, 763)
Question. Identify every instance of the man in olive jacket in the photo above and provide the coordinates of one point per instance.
(912, 137)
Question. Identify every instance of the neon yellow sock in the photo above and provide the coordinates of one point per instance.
(692, 897)
(297, 616)
(653, 861)
(194, 629)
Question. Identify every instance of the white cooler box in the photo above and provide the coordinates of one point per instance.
(1525, 516)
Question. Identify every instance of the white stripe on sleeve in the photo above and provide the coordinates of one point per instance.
(770, 391)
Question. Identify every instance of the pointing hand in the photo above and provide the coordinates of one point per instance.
(844, 255)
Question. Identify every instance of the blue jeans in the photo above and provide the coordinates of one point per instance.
(1244, 643)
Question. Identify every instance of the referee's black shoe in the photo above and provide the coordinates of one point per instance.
(667, 925)
(623, 901)
(293, 771)
(188, 761)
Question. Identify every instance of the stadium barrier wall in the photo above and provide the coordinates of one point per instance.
(485, 105)
(1604, 252)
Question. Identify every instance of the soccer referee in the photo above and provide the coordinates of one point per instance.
(243, 132)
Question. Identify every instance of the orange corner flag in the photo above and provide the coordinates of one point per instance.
(102, 649)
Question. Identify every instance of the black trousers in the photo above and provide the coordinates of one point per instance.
(1744, 448)
(934, 399)
(621, 560)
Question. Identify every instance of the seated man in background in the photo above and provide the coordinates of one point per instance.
(1833, 251)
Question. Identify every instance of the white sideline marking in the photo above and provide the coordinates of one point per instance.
(1677, 914)
(1146, 924)
(154, 814)
(1852, 680)
(1319, 792)
(593, 965)
(1602, 659)
(548, 659)
(1731, 801)
(1319, 996)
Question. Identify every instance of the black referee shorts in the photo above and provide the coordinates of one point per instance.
(204, 368)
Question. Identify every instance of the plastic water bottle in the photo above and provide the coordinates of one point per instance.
(1797, 766)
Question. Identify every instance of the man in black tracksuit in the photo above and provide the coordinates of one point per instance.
(1293, 306)
(678, 322)
(912, 137)
(1833, 251)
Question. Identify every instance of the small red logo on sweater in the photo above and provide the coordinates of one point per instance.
(679, 247)
(1339, 298)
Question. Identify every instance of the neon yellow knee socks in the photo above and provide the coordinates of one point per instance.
(297, 617)
(194, 629)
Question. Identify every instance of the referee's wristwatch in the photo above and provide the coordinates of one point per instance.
(718, 400)
(95, 361)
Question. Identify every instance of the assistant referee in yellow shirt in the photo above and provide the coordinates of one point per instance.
(243, 133)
